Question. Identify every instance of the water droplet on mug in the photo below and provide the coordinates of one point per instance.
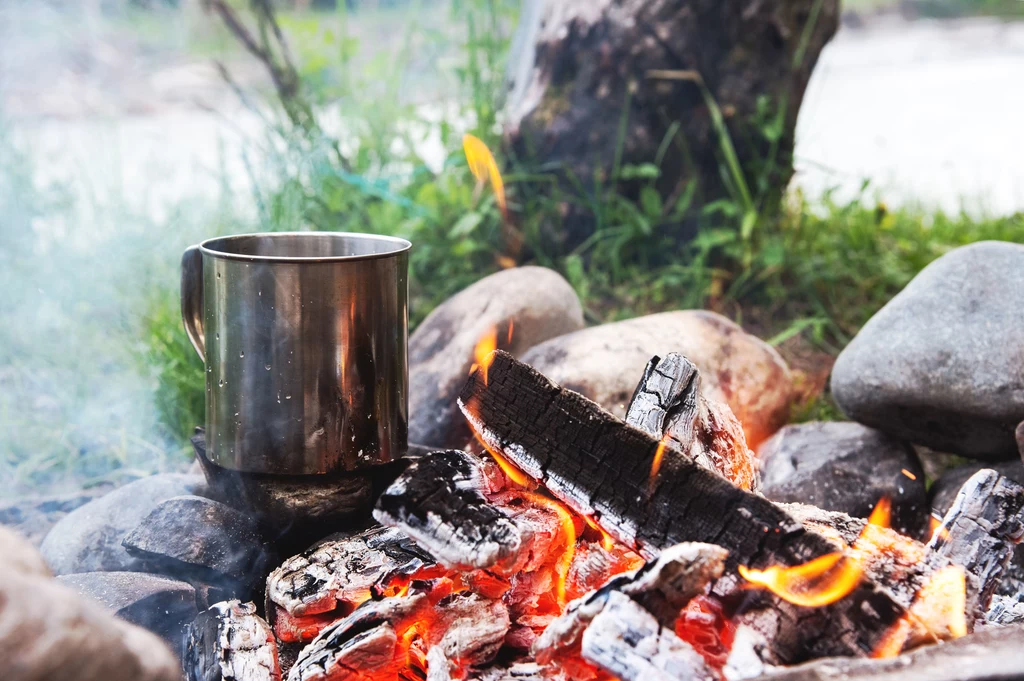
(218, 336)
(218, 275)
(267, 367)
(241, 354)
(287, 397)
(220, 383)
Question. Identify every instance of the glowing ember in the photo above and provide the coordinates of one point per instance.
(823, 580)
(908, 474)
(511, 326)
(659, 454)
(485, 168)
(941, 604)
(703, 625)
(564, 561)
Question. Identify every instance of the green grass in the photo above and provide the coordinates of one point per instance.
(944, 9)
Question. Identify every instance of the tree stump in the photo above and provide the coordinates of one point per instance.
(577, 66)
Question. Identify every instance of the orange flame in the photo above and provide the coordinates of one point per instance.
(511, 325)
(819, 582)
(659, 454)
(485, 168)
(564, 561)
(937, 530)
(823, 580)
(607, 543)
(487, 344)
(882, 513)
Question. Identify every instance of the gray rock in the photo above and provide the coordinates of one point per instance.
(536, 302)
(605, 363)
(942, 363)
(49, 633)
(198, 539)
(89, 538)
(162, 605)
(845, 467)
(34, 516)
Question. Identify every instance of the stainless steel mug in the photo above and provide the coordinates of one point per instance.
(304, 336)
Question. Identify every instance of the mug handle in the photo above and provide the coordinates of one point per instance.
(192, 298)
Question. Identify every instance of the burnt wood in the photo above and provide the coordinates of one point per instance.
(980, 531)
(997, 653)
(668, 403)
(439, 502)
(628, 642)
(360, 645)
(600, 467)
(230, 642)
(342, 569)
(662, 587)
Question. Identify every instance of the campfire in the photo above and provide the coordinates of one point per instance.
(568, 544)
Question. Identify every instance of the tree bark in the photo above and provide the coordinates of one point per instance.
(580, 70)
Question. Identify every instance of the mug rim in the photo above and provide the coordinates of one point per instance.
(400, 246)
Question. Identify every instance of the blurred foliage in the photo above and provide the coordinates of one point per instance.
(793, 271)
(816, 272)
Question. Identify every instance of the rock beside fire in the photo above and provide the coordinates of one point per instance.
(846, 467)
(194, 538)
(159, 604)
(602, 363)
(521, 307)
(32, 517)
(940, 364)
(89, 538)
(48, 633)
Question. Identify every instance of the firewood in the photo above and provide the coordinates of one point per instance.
(360, 645)
(980, 531)
(336, 573)
(600, 467)
(471, 630)
(628, 642)
(662, 587)
(439, 502)
(520, 671)
(996, 653)
(668, 402)
(230, 642)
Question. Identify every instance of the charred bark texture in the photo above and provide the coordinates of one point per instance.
(579, 66)
(439, 502)
(627, 641)
(980, 531)
(601, 467)
(312, 589)
(662, 587)
(230, 642)
(668, 402)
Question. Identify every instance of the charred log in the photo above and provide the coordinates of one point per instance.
(662, 587)
(668, 402)
(628, 642)
(601, 468)
(334, 576)
(360, 645)
(230, 642)
(520, 671)
(996, 653)
(980, 531)
(472, 629)
(439, 502)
